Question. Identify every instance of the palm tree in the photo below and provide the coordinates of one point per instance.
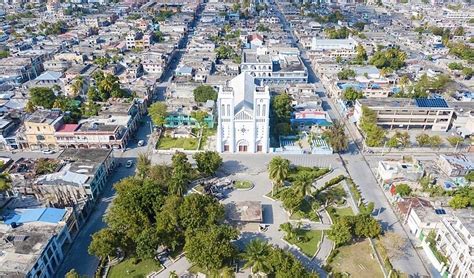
(336, 137)
(109, 83)
(256, 254)
(5, 182)
(143, 164)
(303, 184)
(278, 171)
(289, 230)
(77, 85)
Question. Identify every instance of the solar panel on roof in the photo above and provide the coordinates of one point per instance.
(431, 102)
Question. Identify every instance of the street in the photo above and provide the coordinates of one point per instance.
(360, 171)
(77, 257)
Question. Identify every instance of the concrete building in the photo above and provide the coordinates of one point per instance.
(34, 241)
(280, 68)
(243, 113)
(334, 47)
(39, 129)
(434, 114)
(455, 239)
(455, 165)
(405, 169)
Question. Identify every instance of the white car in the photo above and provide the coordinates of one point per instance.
(47, 151)
(141, 143)
(129, 163)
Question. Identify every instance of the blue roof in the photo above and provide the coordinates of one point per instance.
(429, 102)
(311, 121)
(48, 215)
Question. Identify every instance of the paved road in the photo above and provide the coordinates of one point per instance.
(360, 171)
(77, 257)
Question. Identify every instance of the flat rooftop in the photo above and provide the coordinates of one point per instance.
(405, 103)
(44, 116)
(85, 155)
(247, 211)
(21, 246)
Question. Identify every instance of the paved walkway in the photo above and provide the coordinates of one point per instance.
(334, 173)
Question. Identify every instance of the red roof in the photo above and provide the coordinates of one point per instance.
(67, 128)
(255, 36)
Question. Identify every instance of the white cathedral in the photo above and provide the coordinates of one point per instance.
(243, 112)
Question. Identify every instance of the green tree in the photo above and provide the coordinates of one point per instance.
(361, 56)
(303, 184)
(459, 31)
(455, 66)
(225, 52)
(158, 113)
(147, 243)
(5, 182)
(291, 232)
(352, 94)
(278, 169)
(4, 54)
(204, 93)
(181, 175)
(392, 58)
(291, 201)
(198, 211)
(403, 189)
(200, 117)
(72, 274)
(208, 162)
(256, 255)
(333, 33)
(42, 96)
(435, 141)
(341, 231)
(455, 141)
(77, 85)
(281, 106)
(458, 202)
(143, 164)
(366, 226)
(211, 247)
(346, 74)
(423, 139)
(104, 243)
(30, 107)
(336, 137)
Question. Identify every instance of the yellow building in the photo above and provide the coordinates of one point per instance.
(40, 128)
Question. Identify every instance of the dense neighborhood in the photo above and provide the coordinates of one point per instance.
(236, 138)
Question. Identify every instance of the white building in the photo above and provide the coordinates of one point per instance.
(455, 240)
(334, 47)
(243, 110)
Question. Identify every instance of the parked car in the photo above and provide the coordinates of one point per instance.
(141, 143)
(129, 163)
(47, 151)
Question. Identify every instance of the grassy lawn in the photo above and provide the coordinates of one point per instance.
(311, 244)
(128, 269)
(356, 260)
(243, 185)
(344, 211)
(167, 143)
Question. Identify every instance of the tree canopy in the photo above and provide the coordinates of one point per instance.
(391, 58)
(346, 74)
(352, 94)
(158, 113)
(204, 93)
(42, 96)
(208, 162)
